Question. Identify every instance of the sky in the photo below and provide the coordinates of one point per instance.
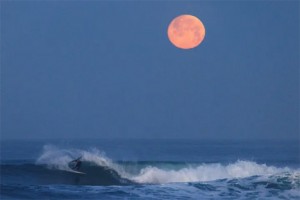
(106, 69)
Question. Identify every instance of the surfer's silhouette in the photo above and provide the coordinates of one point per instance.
(77, 163)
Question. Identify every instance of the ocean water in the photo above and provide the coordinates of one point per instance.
(150, 169)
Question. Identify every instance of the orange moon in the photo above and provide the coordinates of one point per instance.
(186, 31)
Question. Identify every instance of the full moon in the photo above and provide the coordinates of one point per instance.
(186, 31)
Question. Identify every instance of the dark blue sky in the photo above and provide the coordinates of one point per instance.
(106, 69)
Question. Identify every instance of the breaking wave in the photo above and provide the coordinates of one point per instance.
(52, 167)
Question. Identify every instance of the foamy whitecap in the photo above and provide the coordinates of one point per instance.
(206, 172)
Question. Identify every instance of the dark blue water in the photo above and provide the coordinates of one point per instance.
(150, 169)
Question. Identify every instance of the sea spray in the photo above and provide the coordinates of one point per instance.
(57, 158)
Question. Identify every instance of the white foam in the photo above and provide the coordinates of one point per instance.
(206, 172)
(54, 158)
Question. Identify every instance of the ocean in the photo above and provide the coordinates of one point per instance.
(150, 169)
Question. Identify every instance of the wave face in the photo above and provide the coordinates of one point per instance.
(41, 174)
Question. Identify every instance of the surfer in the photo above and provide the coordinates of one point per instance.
(77, 163)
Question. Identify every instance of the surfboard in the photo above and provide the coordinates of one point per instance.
(77, 172)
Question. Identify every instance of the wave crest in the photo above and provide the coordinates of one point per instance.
(56, 158)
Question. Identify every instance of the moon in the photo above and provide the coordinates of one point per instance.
(186, 31)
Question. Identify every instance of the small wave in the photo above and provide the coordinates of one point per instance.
(255, 187)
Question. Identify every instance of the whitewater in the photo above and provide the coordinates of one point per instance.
(107, 178)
